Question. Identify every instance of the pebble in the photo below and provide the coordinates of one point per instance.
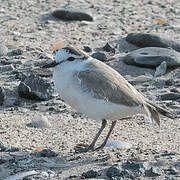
(170, 96)
(7, 68)
(90, 174)
(161, 69)
(152, 40)
(2, 96)
(3, 50)
(72, 15)
(40, 121)
(154, 171)
(100, 56)
(35, 88)
(153, 57)
(4, 173)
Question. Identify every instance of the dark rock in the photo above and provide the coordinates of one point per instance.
(153, 57)
(130, 170)
(108, 48)
(2, 96)
(47, 153)
(170, 96)
(3, 50)
(15, 52)
(169, 82)
(87, 49)
(152, 40)
(100, 56)
(72, 15)
(35, 88)
(172, 171)
(90, 174)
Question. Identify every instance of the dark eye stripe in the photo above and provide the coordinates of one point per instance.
(71, 59)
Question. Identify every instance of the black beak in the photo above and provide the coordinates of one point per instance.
(50, 65)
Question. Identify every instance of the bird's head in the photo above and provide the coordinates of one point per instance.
(67, 54)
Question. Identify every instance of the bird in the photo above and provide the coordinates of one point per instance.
(97, 90)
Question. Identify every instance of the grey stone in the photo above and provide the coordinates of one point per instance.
(152, 40)
(4, 173)
(3, 50)
(127, 170)
(35, 88)
(170, 96)
(2, 96)
(6, 68)
(100, 56)
(90, 174)
(5, 147)
(72, 15)
(153, 57)
(40, 121)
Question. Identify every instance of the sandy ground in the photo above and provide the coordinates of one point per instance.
(27, 25)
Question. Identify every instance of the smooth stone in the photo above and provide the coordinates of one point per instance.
(161, 69)
(100, 56)
(72, 15)
(3, 50)
(152, 40)
(87, 49)
(47, 153)
(118, 144)
(4, 173)
(170, 96)
(40, 121)
(154, 171)
(153, 57)
(35, 88)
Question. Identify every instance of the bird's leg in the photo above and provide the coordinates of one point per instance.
(91, 146)
(107, 137)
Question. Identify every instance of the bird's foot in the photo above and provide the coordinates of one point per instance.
(83, 148)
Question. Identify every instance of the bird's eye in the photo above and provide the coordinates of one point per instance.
(71, 59)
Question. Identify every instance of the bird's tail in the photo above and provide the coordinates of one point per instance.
(153, 112)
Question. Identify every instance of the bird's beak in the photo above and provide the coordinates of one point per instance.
(50, 65)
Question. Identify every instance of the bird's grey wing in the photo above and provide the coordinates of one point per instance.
(114, 88)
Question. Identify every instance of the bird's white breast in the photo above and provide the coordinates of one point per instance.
(84, 102)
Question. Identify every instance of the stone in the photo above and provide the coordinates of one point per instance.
(90, 174)
(151, 40)
(2, 96)
(72, 15)
(100, 56)
(4, 173)
(153, 57)
(128, 169)
(170, 96)
(7, 68)
(161, 69)
(5, 147)
(40, 121)
(154, 171)
(108, 48)
(35, 88)
(3, 50)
